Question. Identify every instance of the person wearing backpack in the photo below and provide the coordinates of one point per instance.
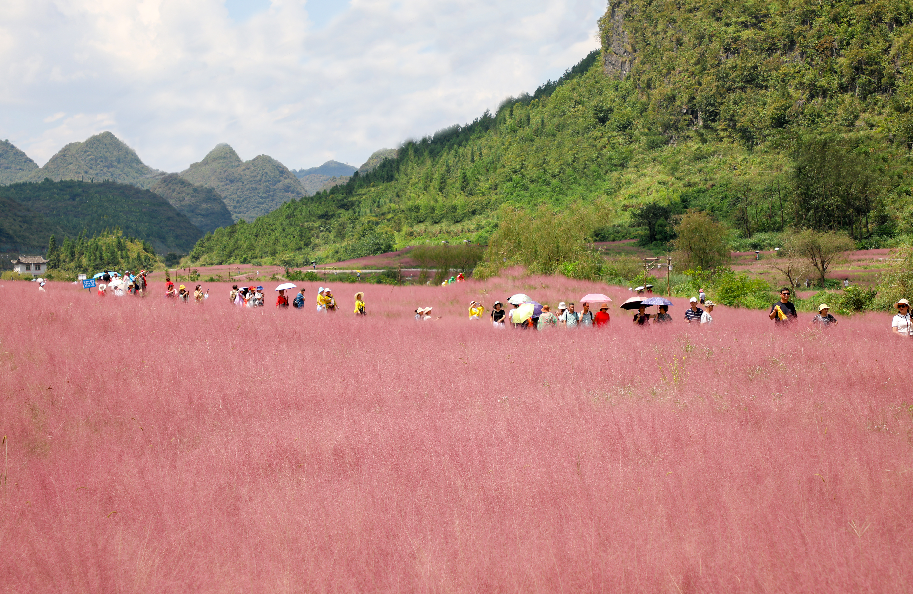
(586, 316)
(570, 318)
(298, 303)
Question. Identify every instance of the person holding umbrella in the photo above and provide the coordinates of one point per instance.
(281, 300)
(663, 316)
(642, 317)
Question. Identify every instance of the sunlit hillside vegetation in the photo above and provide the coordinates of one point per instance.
(737, 109)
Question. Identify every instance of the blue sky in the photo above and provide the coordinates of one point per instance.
(303, 81)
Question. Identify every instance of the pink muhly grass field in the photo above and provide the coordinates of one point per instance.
(153, 446)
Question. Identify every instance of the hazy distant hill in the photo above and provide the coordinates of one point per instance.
(71, 207)
(203, 206)
(249, 188)
(315, 182)
(15, 165)
(331, 173)
(376, 159)
(328, 169)
(101, 157)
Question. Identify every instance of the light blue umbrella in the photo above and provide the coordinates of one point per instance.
(657, 301)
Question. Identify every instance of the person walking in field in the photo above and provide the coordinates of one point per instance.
(642, 318)
(101, 289)
(562, 307)
(298, 303)
(547, 320)
(198, 294)
(360, 304)
(823, 319)
(183, 294)
(693, 314)
(169, 288)
(330, 301)
(282, 300)
(601, 319)
(570, 319)
(586, 316)
(902, 324)
(475, 310)
(321, 300)
(233, 294)
(497, 315)
(783, 311)
(707, 317)
(663, 316)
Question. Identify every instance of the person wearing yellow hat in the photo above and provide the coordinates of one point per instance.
(824, 318)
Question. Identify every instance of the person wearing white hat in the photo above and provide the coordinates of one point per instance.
(694, 313)
(321, 300)
(902, 324)
(824, 318)
(706, 317)
(475, 310)
(562, 307)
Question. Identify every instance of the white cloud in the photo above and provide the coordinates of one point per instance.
(300, 80)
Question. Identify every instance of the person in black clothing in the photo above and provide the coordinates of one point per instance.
(497, 314)
(783, 311)
(642, 317)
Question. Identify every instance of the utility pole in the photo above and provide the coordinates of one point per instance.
(649, 264)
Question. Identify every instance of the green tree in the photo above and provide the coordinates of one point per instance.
(654, 220)
(544, 242)
(700, 242)
(837, 185)
(820, 249)
(53, 253)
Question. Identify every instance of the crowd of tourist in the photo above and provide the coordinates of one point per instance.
(524, 314)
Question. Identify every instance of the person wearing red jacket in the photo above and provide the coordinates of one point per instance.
(602, 316)
(282, 300)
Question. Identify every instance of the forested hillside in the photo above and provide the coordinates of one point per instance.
(71, 208)
(766, 115)
(15, 165)
(203, 206)
(102, 157)
(249, 188)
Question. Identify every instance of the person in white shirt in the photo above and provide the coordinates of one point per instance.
(901, 324)
(706, 317)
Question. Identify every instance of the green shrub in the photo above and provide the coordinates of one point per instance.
(855, 298)
(11, 275)
(301, 275)
(740, 290)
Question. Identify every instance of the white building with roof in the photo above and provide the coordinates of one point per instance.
(32, 265)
